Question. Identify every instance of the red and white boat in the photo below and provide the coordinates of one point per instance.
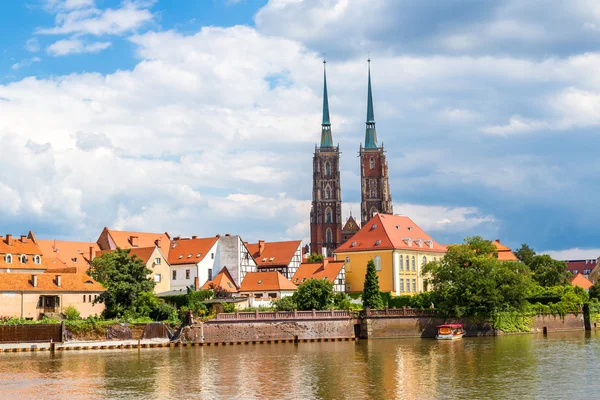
(450, 332)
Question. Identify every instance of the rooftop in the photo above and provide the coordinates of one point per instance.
(320, 270)
(268, 254)
(190, 250)
(266, 281)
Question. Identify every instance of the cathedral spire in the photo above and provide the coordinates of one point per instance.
(371, 133)
(326, 138)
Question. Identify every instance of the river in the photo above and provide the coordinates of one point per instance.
(557, 366)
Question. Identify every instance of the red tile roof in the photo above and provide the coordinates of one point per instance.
(143, 253)
(390, 232)
(190, 251)
(16, 282)
(266, 281)
(274, 253)
(329, 271)
(504, 252)
(581, 281)
(72, 254)
(350, 226)
(19, 245)
(123, 239)
(224, 280)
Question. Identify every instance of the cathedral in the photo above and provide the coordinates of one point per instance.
(326, 230)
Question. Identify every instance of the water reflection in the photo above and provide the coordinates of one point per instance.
(560, 366)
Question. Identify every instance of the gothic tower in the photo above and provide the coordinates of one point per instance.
(326, 210)
(375, 185)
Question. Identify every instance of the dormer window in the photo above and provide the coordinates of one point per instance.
(271, 259)
(377, 242)
(38, 259)
(264, 259)
(408, 241)
(353, 244)
(189, 256)
(410, 228)
(199, 254)
(8, 258)
(23, 259)
(374, 226)
(260, 281)
(419, 242)
(181, 256)
(429, 243)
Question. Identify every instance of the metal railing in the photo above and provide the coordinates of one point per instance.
(279, 315)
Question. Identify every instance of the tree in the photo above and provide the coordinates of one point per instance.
(525, 254)
(371, 296)
(125, 278)
(595, 291)
(470, 281)
(314, 294)
(286, 303)
(549, 272)
(314, 257)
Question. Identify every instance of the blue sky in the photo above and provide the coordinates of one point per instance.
(201, 117)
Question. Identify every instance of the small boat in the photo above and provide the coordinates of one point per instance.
(450, 332)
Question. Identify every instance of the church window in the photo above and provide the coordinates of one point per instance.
(328, 236)
(372, 163)
(402, 266)
(377, 261)
(327, 168)
(328, 216)
(327, 193)
(373, 193)
(414, 263)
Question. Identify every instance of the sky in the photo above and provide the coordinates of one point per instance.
(201, 117)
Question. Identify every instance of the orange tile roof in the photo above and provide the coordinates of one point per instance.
(317, 270)
(351, 225)
(392, 232)
(504, 253)
(224, 280)
(581, 281)
(16, 282)
(72, 254)
(274, 253)
(143, 253)
(190, 251)
(19, 245)
(122, 239)
(265, 281)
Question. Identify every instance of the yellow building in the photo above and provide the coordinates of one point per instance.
(399, 249)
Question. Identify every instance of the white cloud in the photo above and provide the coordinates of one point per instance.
(573, 254)
(32, 45)
(25, 63)
(75, 46)
(83, 18)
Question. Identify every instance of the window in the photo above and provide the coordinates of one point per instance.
(340, 282)
(328, 216)
(373, 192)
(212, 256)
(8, 258)
(187, 274)
(401, 285)
(377, 261)
(424, 260)
(373, 211)
(372, 163)
(434, 259)
(57, 301)
(328, 236)
(408, 285)
(575, 271)
(327, 193)
(90, 298)
(210, 277)
(414, 285)
(23, 259)
(327, 168)
(347, 260)
(402, 265)
(257, 295)
(37, 260)
(174, 275)
(157, 261)
(157, 277)
(84, 298)
(273, 295)
(414, 263)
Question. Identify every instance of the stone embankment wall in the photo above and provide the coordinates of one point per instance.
(257, 331)
(570, 322)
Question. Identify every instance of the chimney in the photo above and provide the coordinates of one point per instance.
(196, 283)
(134, 241)
(324, 251)
(91, 255)
(9, 239)
(23, 239)
(34, 280)
(227, 234)
(194, 237)
(58, 281)
(261, 247)
(157, 243)
(325, 262)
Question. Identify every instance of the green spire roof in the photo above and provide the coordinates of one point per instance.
(371, 133)
(326, 138)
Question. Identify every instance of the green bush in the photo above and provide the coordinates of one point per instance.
(228, 307)
(400, 301)
(144, 305)
(285, 304)
(341, 301)
(71, 313)
(314, 294)
(164, 312)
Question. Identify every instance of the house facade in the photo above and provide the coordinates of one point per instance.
(193, 262)
(283, 257)
(399, 249)
(261, 288)
(333, 271)
(31, 286)
(236, 257)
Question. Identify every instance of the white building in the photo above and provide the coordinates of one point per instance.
(193, 261)
(283, 257)
(263, 287)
